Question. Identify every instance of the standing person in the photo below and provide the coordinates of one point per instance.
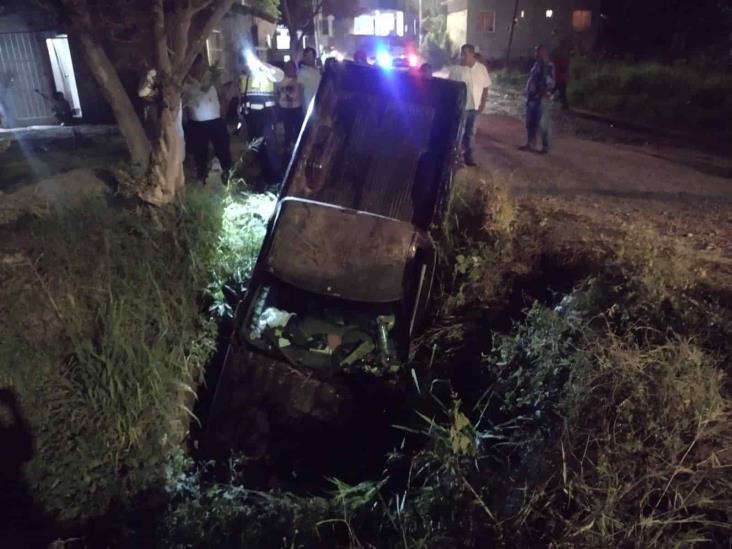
(561, 74)
(290, 99)
(329, 63)
(309, 76)
(539, 88)
(205, 124)
(258, 98)
(257, 109)
(61, 109)
(478, 81)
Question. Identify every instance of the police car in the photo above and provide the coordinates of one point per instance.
(394, 53)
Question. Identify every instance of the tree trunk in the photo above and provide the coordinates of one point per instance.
(111, 87)
(165, 176)
(290, 20)
(295, 44)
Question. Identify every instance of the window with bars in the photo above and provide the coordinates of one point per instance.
(486, 21)
(215, 48)
(581, 20)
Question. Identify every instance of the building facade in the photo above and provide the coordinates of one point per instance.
(239, 30)
(372, 18)
(487, 25)
(37, 58)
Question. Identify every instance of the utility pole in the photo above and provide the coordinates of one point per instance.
(419, 26)
(316, 28)
(510, 34)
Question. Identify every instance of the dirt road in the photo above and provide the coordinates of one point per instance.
(618, 178)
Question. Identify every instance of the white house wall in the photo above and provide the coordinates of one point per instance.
(531, 29)
(457, 27)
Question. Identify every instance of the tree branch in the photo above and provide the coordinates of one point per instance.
(162, 57)
(200, 5)
(78, 13)
(181, 28)
(109, 83)
(286, 14)
(221, 8)
(295, 24)
(317, 10)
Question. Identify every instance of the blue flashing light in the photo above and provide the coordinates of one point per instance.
(384, 59)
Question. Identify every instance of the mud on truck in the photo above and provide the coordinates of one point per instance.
(346, 271)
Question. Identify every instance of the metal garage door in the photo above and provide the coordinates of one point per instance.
(24, 68)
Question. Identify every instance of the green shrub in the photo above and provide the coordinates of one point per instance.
(611, 442)
(436, 46)
(243, 227)
(103, 339)
(205, 513)
(666, 94)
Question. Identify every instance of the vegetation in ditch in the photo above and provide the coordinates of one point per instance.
(244, 218)
(595, 415)
(601, 417)
(103, 340)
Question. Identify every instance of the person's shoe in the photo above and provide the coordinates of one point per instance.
(526, 148)
(470, 162)
(543, 151)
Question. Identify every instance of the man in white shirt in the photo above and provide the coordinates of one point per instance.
(478, 81)
(205, 124)
(309, 77)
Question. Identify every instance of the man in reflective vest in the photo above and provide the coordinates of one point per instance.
(257, 107)
(257, 88)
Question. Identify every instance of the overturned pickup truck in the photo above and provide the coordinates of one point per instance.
(346, 270)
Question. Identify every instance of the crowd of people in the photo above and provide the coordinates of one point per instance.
(266, 97)
(269, 96)
(547, 79)
(263, 97)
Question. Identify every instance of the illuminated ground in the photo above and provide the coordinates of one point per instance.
(28, 155)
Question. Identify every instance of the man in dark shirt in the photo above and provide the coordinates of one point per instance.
(539, 89)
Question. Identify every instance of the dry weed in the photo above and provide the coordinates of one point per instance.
(649, 447)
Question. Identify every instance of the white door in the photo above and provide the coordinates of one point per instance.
(63, 71)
